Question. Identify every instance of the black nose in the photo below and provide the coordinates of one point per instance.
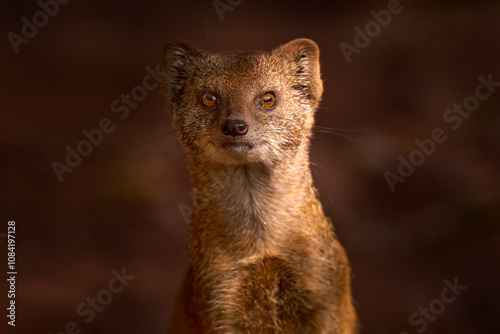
(235, 127)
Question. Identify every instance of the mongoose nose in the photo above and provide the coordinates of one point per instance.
(235, 127)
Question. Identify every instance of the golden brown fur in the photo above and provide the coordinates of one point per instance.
(263, 256)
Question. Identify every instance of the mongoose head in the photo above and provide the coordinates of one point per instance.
(243, 107)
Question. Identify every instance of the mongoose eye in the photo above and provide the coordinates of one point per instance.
(208, 100)
(268, 100)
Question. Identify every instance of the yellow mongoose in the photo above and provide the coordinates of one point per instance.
(263, 256)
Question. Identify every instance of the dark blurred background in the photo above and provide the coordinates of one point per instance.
(124, 205)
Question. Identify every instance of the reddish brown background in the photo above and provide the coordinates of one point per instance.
(120, 206)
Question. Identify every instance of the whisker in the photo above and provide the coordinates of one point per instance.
(154, 138)
(346, 137)
(315, 163)
(172, 164)
(173, 152)
(322, 129)
(315, 166)
(131, 146)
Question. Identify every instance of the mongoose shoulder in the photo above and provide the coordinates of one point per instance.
(263, 256)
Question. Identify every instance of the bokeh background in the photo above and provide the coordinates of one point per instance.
(124, 205)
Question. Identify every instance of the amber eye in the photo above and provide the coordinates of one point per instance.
(208, 100)
(268, 100)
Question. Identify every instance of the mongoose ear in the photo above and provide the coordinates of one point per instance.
(303, 54)
(178, 67)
